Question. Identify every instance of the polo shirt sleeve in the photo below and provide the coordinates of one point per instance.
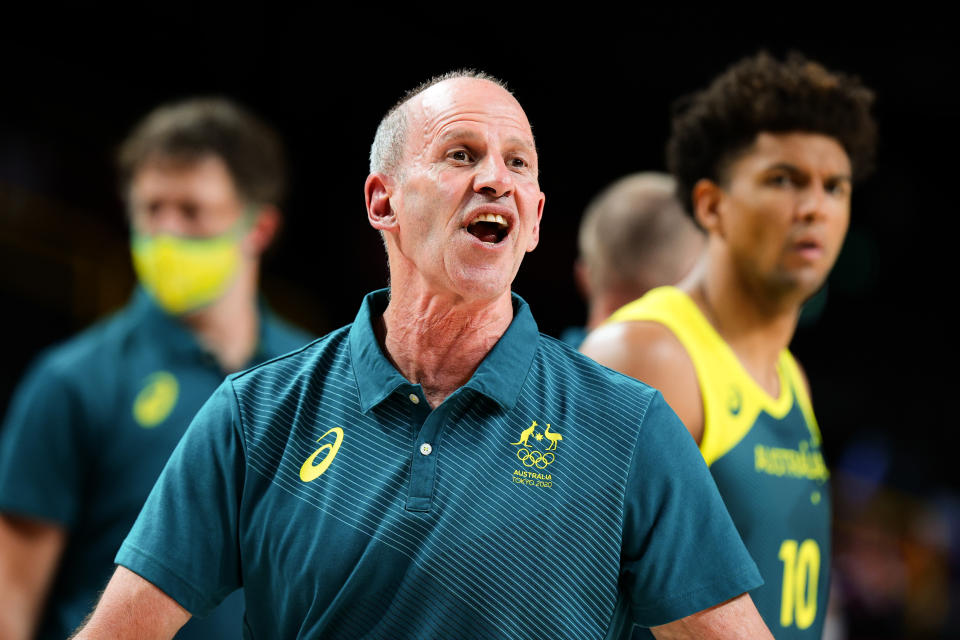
(41, 449)
(681, 551)
(185, 540)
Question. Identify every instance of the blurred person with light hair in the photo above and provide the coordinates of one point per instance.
(634, 236)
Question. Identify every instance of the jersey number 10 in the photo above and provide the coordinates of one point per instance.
(801, 572)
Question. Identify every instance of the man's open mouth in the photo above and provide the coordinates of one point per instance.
(489, 227)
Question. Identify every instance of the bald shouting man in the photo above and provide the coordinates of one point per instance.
(438, 469)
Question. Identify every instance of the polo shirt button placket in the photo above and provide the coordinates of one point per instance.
(426, 427)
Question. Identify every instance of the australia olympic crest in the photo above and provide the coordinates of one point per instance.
(537, 456)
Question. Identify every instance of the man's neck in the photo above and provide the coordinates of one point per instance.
(605, 303)
(439, 341)
(230, 327)
(756, 327)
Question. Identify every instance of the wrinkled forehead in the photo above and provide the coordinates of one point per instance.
(467, 101)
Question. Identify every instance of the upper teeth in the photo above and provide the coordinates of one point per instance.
(491, 217)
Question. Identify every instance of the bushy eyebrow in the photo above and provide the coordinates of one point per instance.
(469, 135)
(786, 166)
(521, 143)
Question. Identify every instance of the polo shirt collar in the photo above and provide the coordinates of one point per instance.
(499, 376)
(178, 339)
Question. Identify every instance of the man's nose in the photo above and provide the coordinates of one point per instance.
(813, 201)
(494, 177)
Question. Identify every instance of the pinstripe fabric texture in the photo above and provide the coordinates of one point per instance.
(502, 552)
(324, 484)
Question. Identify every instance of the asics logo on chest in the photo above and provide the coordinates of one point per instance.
(311, 469)
(156, 399)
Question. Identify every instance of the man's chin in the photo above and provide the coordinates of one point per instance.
(798, 286)
(480, 285)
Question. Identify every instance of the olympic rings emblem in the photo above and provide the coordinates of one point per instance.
(533, 458)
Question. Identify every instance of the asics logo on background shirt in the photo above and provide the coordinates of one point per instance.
(156, 399)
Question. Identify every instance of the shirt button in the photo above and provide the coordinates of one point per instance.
(414, 398)
(426, 449)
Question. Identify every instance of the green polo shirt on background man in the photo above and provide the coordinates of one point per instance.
(88, 432)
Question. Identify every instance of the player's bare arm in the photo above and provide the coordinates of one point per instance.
(133, 608)
(650, 352)
(29, 553)
(736, 618)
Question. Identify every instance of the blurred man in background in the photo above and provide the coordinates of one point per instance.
(96, 418)
(765, 158)
(634, 236)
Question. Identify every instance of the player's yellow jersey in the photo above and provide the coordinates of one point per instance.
(764, 454)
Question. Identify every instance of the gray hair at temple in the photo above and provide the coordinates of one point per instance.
(386, 152)
(635, 236)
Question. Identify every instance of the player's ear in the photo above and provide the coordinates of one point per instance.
(264, 227)
(377, 191)
(707, 197)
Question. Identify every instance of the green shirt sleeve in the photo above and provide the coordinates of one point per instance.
(42, 461)
(681, 551)
(185, 540)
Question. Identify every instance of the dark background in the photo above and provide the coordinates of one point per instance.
(597, 88)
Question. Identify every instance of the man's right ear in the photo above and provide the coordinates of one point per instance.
(377, 191)
(707, 197)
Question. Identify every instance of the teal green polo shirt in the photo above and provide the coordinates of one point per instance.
(549, 497)
(88, 432)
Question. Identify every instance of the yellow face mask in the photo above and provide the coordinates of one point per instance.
(185, 273)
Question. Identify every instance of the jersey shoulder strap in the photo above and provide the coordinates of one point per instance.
(791, 371)
(732, 401)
